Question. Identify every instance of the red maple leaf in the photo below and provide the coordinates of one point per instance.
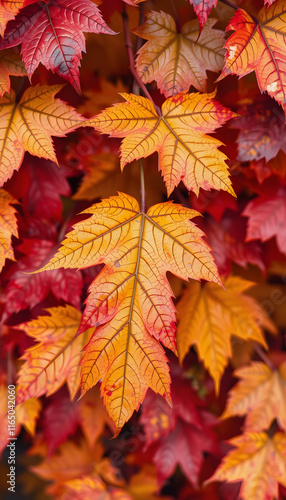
(39, 184)
(266, 217)
(51, 33)
(227, 240)
(262, 131)
(202, 9)
(26, 290)
(181, 435)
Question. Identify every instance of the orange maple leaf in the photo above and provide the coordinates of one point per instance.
(186, 152)
(178, 60)
(28, 125)
(8, 226)
(10, 64)
(130, 301)
(208, 316)
(56, 358)
(260, 394)
(259, 461)
(261, 47)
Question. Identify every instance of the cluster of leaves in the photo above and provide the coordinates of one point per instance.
(140, 316)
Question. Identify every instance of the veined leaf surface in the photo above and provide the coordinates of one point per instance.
(186, 152)
(259, 47)
(178, 60)
(259, 461)
(55, 359)
(29, 124)
(8, 226)
(202, 8)
(210, 315)
(260, 394)
(130, 302)
(10, 64)
(51, 33)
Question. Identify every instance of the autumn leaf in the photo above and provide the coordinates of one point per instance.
(40, 184)
(96, 100)
(8, 10)
(209, 316)
(103, 178)
(266, 217)
(27, 414)
(178, 60)
(179, 435)
(186, 152)
(260, 394)
(259, 461)
(259, 46)
(28, 125)
(51, 33)
(10, 64)
(261, 130)
(71, 461)
(8, 226)
(55, 359)
(26, 290)
(125, 300)
(227, 240)
(202, 8)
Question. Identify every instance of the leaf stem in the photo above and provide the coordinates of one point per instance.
(129, 49)
(142, 186)
(264, 357)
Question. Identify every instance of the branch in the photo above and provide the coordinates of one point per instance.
(129, 49)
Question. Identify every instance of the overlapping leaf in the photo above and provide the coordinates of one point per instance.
(202, 8)
(51, 33)
(186, 152)
(259, 461)
(210, 315)
(55, 359)
(178, 60)
(27, 290)
(130, 302)
(8, 226)
(8, 11)
(260, 394)
(260, 47)
(266, 217)
(10, 64)
(261, 130)
(28, 125)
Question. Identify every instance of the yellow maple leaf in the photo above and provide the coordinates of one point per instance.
(186, 152)
(28, 125)
(10, 64)
(56, 358)
(259, 46)
(130, 302)
(260, 394)
(27, 414)
(209, 316)
(259, 461)
(178, 60)
(8, 226)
